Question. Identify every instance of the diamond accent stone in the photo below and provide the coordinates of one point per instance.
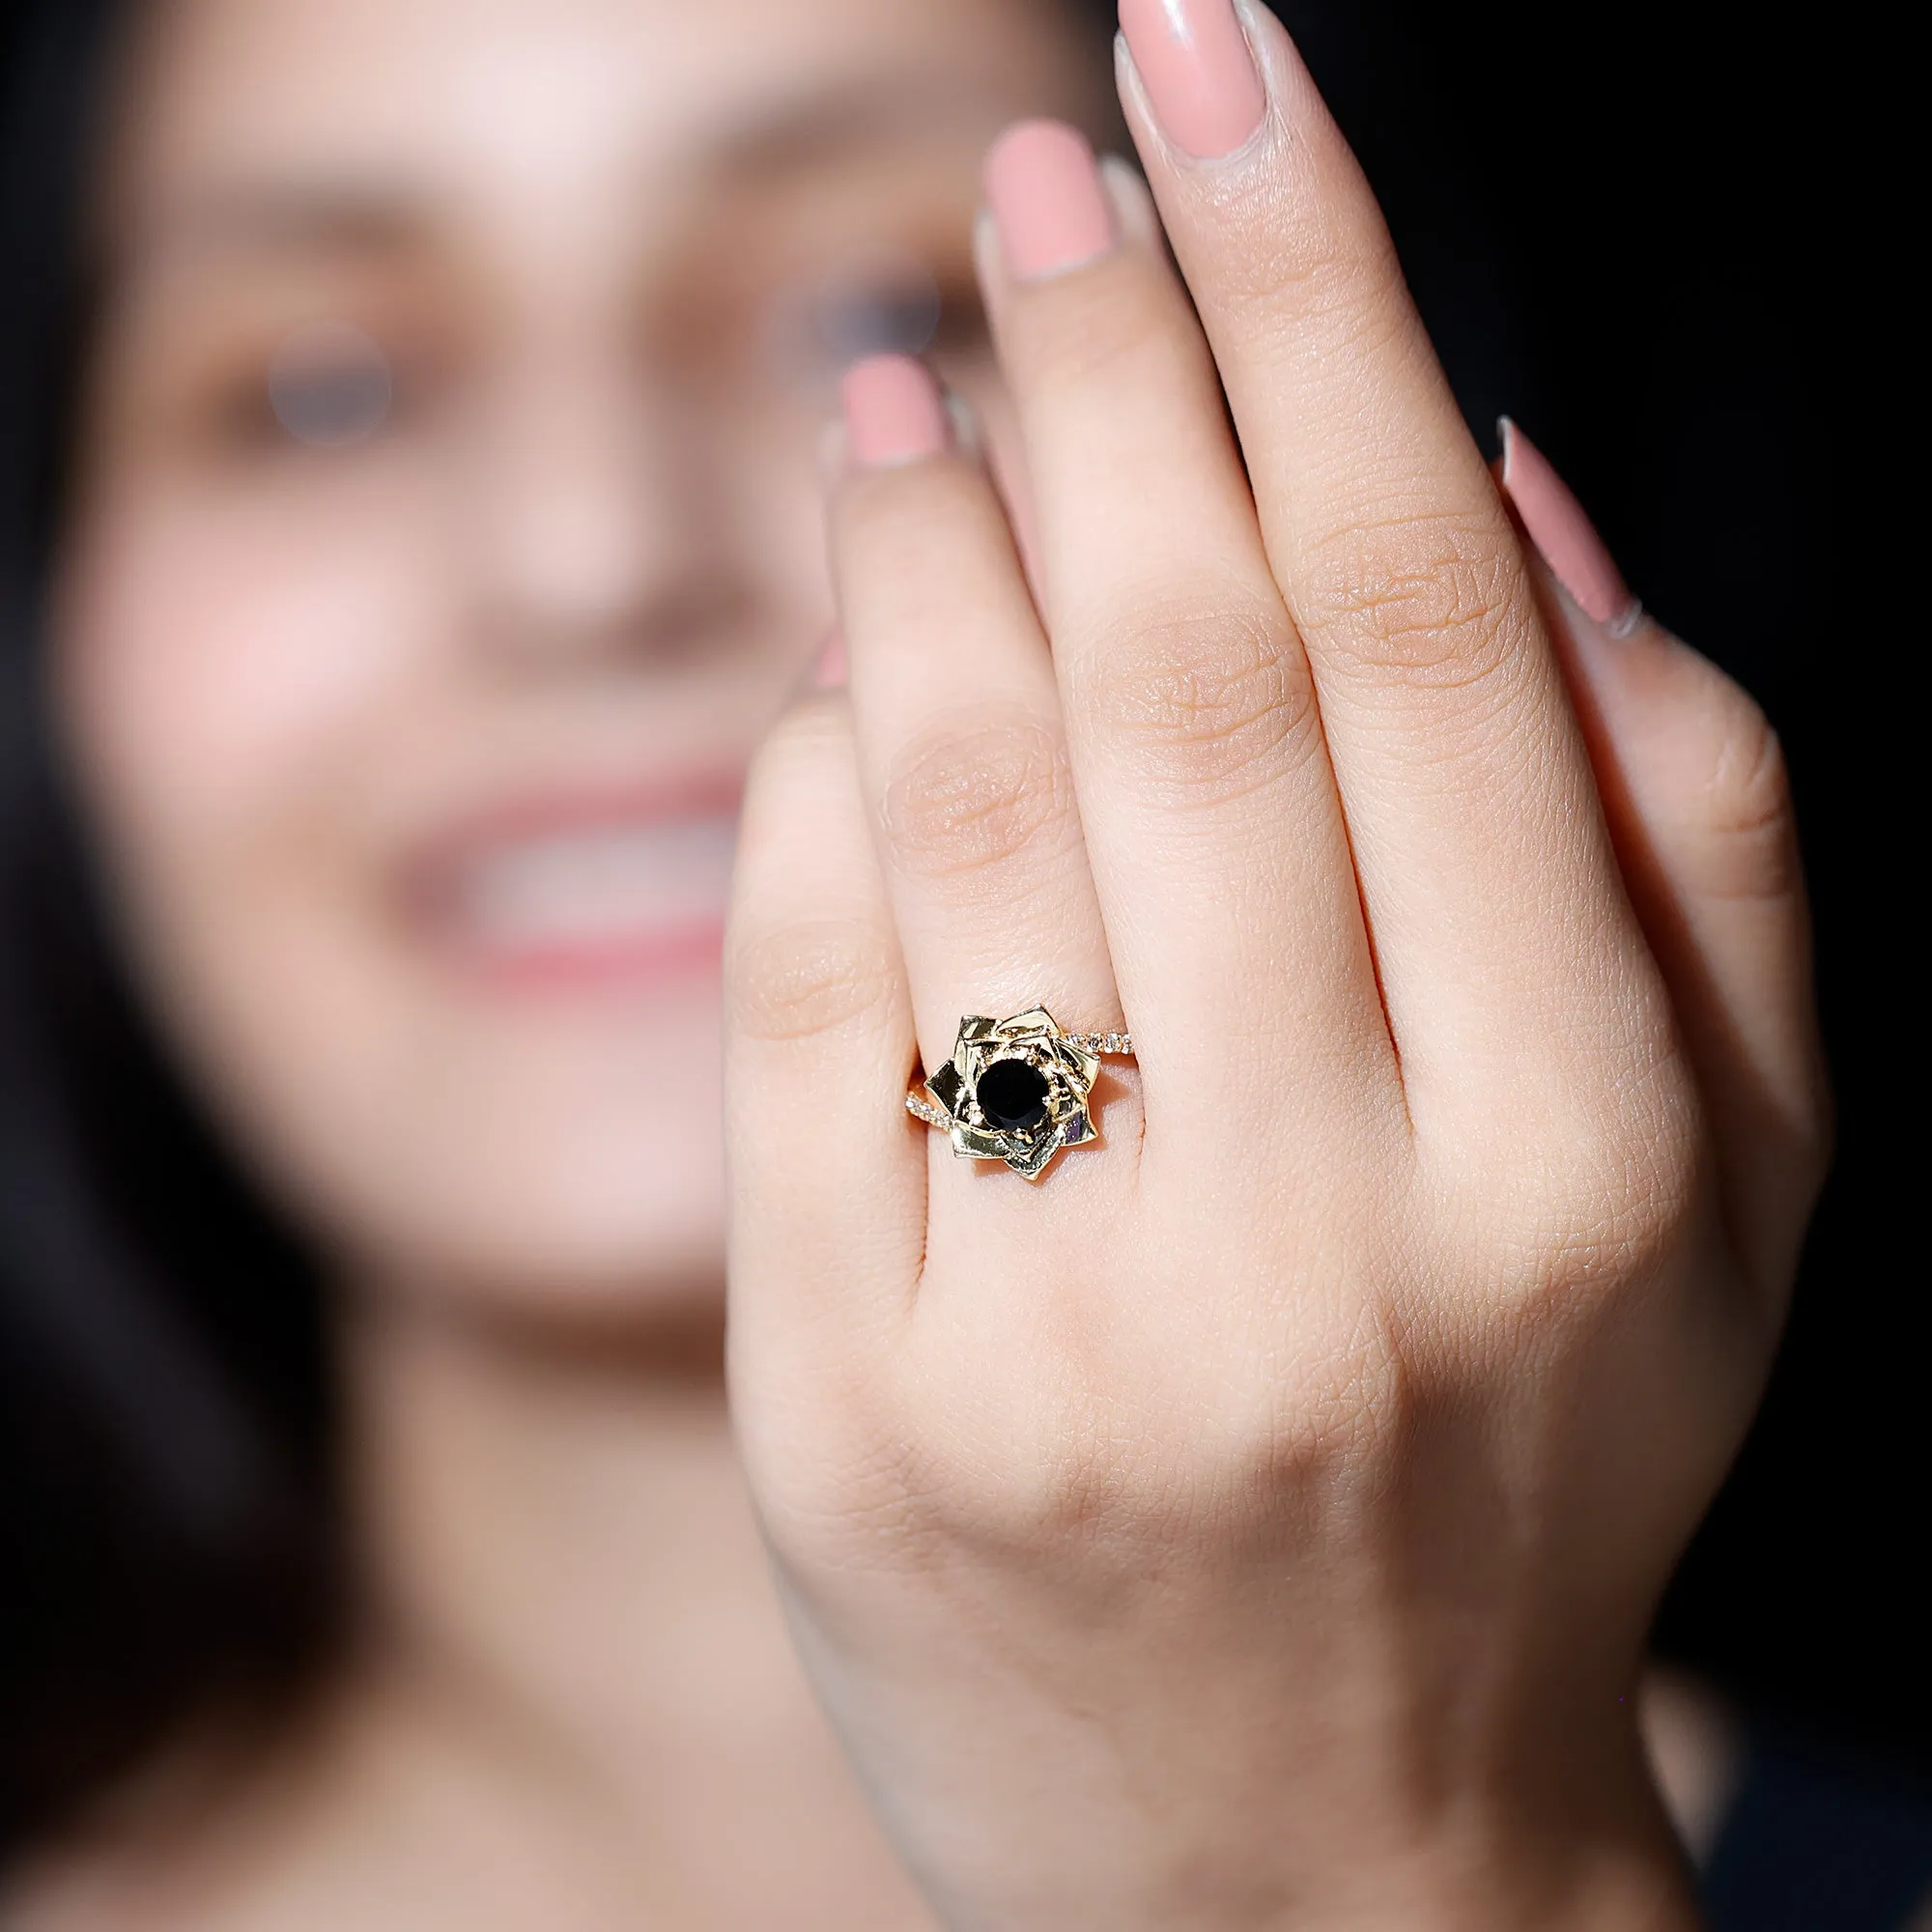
(1104, 1043)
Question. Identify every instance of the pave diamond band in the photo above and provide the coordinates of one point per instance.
(1104, 1043)
(1015, 1090)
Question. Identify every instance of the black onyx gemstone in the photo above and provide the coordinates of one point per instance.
(1012, 1095)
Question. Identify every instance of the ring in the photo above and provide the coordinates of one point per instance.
(1015, 1090)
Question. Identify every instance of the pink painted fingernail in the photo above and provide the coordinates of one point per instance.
(1566, 538)
(893, 412)
(1199, 71)
(1044, 190)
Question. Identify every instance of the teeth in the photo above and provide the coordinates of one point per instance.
(611, 883)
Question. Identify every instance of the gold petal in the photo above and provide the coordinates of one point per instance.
(1029, 1025)
(1081, 1066)
(1031, 1161)
(945, 1086)
(980, 1143)
(1078, 1131)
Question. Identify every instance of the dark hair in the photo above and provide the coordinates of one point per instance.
(165, 1411)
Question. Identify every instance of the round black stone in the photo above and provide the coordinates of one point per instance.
(1012, 1095)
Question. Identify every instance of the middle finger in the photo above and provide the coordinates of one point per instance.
(1213, 826)
(1472, 810)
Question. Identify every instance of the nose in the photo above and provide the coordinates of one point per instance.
(599, 525)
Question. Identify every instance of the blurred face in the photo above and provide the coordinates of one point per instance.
(448, 535)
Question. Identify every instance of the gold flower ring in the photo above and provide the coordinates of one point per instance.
(1015, 1090)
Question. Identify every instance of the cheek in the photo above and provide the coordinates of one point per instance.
(249, 697)
(214, 658)
(225, 677)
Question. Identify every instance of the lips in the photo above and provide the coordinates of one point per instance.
(586, 890)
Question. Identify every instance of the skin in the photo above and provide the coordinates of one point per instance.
(583, 559)
(1257, 1524)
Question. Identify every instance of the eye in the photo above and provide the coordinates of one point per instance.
(875, 302)
(330, 385)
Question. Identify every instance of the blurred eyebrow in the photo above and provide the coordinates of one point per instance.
(831, 125)
(296, 218)
(363, 219)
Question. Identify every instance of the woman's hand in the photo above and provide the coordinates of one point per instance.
(1256, 1522)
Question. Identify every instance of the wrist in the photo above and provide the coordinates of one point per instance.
(1319, 1854)
(1450, 1887)
(1588, 1849)
(1614, 1865)
(1454, 1887)
(1610, 1890)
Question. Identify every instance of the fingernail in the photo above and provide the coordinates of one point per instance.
(1199, 73)
(1043, 187)
(1564, 536)
(893, 412)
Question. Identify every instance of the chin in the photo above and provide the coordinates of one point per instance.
(556, 1159)
(598, 1240)
(574, 1190)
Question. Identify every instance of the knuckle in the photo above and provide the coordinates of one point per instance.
(1108, 329)
(1345, 289)
(808, 752)
(1433, 601)
(905, 526)
(969, 800)
(1219, 698)
(809, 976)
(1752, 846)
(807, 730)
(1316, 250)
(1604, 1200)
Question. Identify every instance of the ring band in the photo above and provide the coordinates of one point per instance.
(1015, 1090)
